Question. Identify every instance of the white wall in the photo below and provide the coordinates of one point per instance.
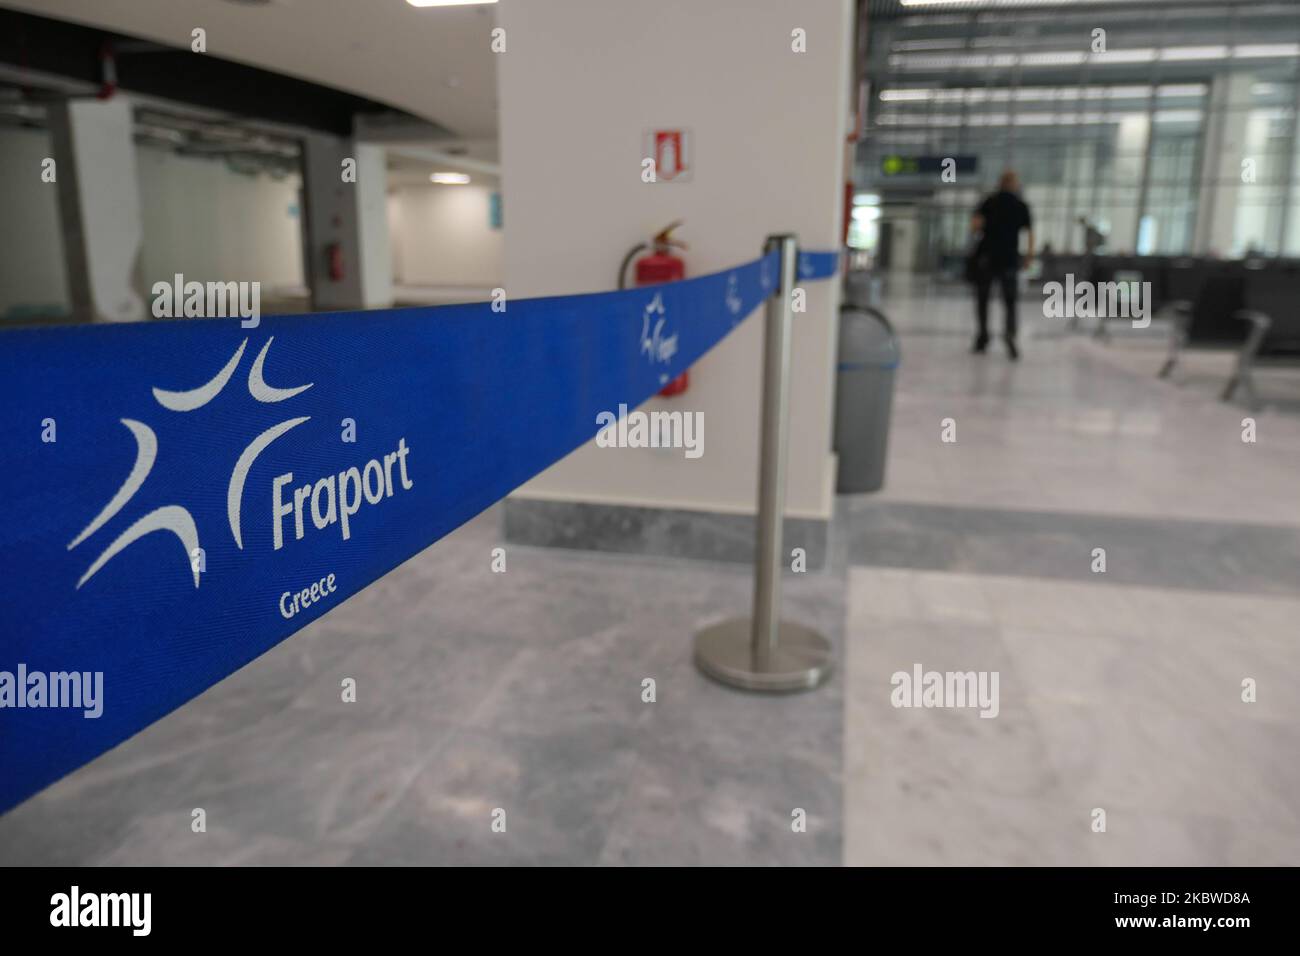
(208, 222)
(442, 236)
(579, 87)
(32, 271)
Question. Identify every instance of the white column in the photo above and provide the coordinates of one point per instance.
(99, 207)
(579, 86)
(1225, 139)
(372, 215)
(1131, 144)
(352, 215)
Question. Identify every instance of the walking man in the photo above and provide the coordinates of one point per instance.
(997, 222)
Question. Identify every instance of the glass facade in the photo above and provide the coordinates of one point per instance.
(1168, 143)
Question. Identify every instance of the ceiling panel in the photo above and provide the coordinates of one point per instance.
(434, 63)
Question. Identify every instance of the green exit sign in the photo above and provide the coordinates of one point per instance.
(899, 165)
(916, 165)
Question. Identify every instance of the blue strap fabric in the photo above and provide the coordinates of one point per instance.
(813, 266)
(176, 436)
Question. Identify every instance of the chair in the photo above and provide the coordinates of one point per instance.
(1271, 299)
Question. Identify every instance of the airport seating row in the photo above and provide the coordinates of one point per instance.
(1251, 306)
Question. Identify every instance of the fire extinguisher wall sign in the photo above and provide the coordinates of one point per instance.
(673, 154)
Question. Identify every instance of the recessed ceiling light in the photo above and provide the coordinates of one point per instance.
(446, 3)
(449, 179)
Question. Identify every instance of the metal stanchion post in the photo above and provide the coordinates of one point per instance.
(763, 652)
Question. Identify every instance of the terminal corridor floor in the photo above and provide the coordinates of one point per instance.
(476, 692)
(1119, 691)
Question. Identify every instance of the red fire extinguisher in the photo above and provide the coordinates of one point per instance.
(659, 267)
(334, 260)
(107, 72)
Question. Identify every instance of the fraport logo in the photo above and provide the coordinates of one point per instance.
(656, 345)
(373, 482)
(734, 302)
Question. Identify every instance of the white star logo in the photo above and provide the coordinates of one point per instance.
(175, 518)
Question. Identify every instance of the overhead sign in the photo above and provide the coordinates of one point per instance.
(895, 165)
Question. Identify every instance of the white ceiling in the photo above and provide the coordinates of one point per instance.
(434, 62)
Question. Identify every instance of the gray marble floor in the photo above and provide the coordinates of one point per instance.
(1168, 552)
(476, 692)
(1120, 690)
(1126, 699)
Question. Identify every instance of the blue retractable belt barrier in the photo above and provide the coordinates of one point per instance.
(200, 503)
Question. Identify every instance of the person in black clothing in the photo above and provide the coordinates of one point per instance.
(998, 222)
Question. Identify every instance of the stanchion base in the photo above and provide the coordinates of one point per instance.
(801, 661)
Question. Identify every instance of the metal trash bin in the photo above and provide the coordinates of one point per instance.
(864, 392)
(862, 288)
